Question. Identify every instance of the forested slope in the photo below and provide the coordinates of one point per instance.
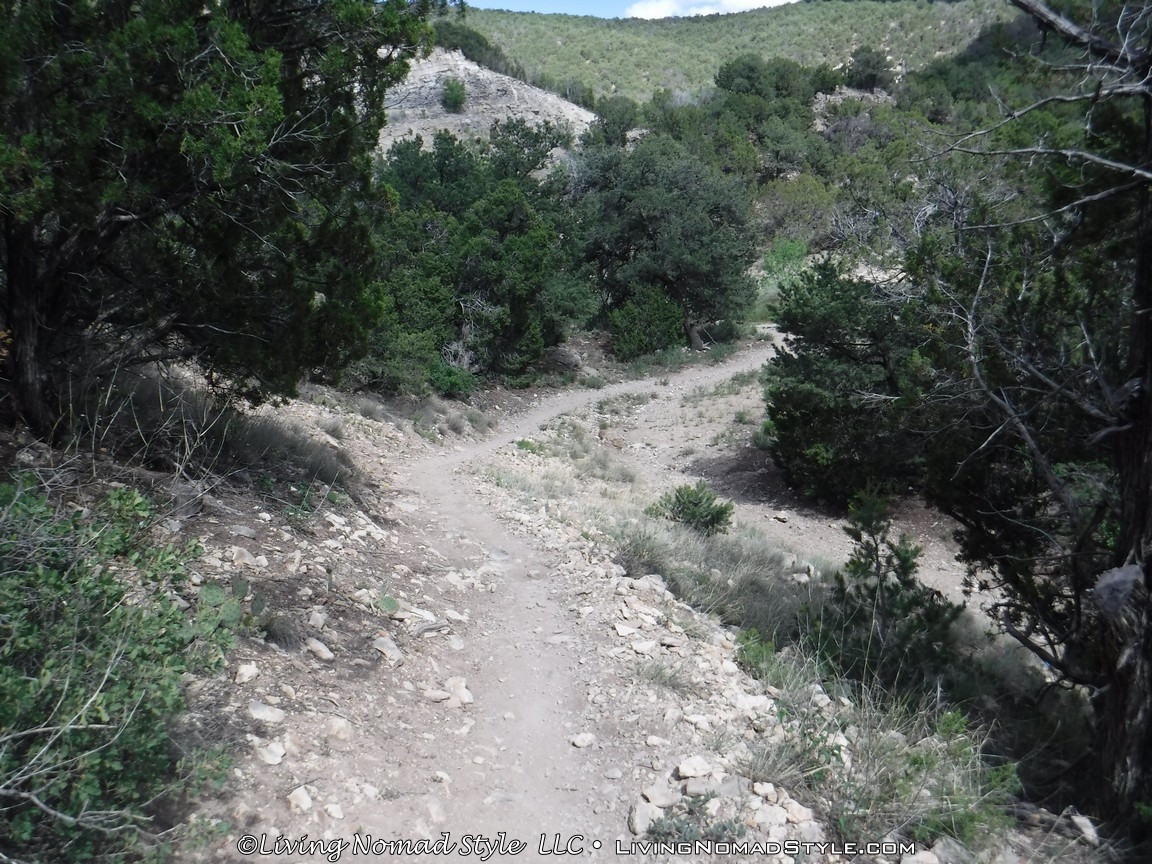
(635, 57)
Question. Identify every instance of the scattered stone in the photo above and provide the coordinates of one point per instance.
(748, 702)
(1086, 828)
(340, 728)
(242, 531)
(459, 690)
(437, 695)
(771, 815)
(645, 646)
(798, 813)
(318, 648)
(661, 795)
(334, 810)
(246, 672)
(656, 741)
(950, 851)
(695, 766)
(584, 739)
(813, 832)
(641, 816)
(698, 787)
(613, 774)
(300, 799)
(241, 557)
(766, 791)
(317, 619)
(271, 754)
(266, 713)
(386, 646)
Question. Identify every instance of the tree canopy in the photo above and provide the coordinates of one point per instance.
(659, 224)
(188, 181)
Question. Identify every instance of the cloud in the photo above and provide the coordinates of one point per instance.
(686, 8)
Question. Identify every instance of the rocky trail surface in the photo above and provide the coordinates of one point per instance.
(459, 670)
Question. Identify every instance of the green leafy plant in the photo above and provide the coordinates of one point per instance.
(697, 507)
(90, 681)
(688, 822)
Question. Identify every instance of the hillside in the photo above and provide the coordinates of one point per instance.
(635, 57)
(416, 109)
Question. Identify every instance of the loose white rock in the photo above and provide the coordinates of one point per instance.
(767, 817)
(266, 713)
(300, 799)
(798, 813)
(661, 795)
(319, 648)
(271, 754)
(458, 687)
(340, 729)
(584, 739)
(924, 856)
(334, 810)
(246, 672)
(241, 557)
(641, 816)
(386, 646)
(695, 766)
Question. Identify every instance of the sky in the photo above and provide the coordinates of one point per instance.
(628, 8)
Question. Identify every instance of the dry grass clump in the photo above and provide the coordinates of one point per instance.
(741, 577)
(333, 426)
(668, 676)
(169, 423)
(876, 764)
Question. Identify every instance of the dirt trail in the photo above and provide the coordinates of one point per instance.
(533, 669)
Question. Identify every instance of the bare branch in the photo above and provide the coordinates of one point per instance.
(1124, 55)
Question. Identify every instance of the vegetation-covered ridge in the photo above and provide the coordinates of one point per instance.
(635, 57)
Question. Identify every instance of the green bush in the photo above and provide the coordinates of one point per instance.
(90, 679)
(448, 380)
(646, 323)
(880, 622)
(697, 507)
(724, 332)
(454, 96)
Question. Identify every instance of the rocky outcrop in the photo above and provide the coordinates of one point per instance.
(415, 106)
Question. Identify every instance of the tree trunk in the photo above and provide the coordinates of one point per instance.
(28, 373)
(1128, 748)
(692, 331)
